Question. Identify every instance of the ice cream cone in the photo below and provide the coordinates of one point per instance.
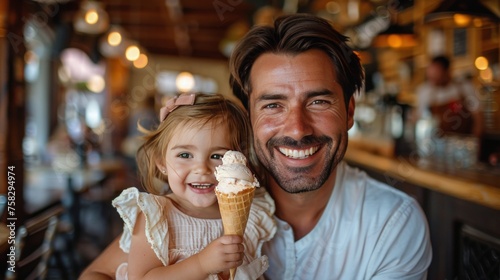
(234, 211)
(235, 194)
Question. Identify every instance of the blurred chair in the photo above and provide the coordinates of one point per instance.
(479, 255)
(34, 244)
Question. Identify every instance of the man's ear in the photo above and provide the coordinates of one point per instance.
(350, 112)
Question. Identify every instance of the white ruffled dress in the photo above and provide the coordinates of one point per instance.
(175, 236)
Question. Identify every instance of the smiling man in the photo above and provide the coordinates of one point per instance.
(297, 80)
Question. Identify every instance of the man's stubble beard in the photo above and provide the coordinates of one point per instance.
(301, 183)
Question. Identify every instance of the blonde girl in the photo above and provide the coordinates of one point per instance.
(179, 235)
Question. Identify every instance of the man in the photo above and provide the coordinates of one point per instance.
(453, 104)
(297, 81)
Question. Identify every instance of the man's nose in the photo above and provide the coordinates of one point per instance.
(297, 123)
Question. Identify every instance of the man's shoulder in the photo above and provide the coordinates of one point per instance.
(378, 202)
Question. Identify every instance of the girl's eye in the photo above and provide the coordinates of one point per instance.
(217, 156)
(184, 155)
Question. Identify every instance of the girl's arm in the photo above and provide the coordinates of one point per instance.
(221, 254)
(104, 267)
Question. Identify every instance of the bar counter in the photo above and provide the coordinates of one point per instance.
(478, 186)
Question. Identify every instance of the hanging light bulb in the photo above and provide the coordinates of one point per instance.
(96, 83)
(184, 81)
(461, 19)
(91, 18)
(113, 43)
(114, 38)
(141, 62)
(462, 13)
(481, 63)
(132, 52)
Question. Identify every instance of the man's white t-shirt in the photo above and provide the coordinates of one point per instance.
(368, 230)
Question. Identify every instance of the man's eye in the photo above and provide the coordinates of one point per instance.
(320, 102)
(184, 155)
(271, 106)
(216, 156)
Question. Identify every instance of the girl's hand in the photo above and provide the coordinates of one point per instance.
(222, 254)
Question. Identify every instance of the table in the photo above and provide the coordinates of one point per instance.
(46, 186)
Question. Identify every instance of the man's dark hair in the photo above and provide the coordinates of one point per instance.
(443, 61)
(294, 34)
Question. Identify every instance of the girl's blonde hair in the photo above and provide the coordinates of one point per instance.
(213, 110)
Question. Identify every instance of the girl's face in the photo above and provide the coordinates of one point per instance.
(192, 155)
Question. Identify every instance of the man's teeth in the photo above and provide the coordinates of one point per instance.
(298, 154)
(201, 186)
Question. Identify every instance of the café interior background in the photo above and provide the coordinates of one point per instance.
(76, 76)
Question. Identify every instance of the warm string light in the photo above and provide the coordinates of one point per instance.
(461, 19)
(486, 75)
(132, 52)
(481, 63)
(91, 16)
(114, 38)
(141, 62)
(184, 81)
(114, 42)
(96, 84)
(93, 19)
(485, 72)
(394, 41)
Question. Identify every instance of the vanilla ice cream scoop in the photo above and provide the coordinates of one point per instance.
(235, 193)
(234, 175)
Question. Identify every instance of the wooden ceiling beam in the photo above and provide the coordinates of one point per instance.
(133, 4)
(209, 43)
(195, 52)
(169, 32)
(242, 6)
(152, 18)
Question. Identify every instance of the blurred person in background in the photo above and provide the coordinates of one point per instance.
(453, 104)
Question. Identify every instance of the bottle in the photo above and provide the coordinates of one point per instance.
(425, 129)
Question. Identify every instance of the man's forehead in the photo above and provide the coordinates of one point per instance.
(286, 72)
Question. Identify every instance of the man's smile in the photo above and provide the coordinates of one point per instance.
(298, 153)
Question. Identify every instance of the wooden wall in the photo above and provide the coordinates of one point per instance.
(12, 100)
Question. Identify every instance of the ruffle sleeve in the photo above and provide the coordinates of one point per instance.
(261, 226)
(128, 204)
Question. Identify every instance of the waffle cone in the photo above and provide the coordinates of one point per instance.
(234, 211)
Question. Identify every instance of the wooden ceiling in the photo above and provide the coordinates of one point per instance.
(175, 27)
(193, 28)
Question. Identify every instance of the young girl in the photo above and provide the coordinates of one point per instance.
(180, 235)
